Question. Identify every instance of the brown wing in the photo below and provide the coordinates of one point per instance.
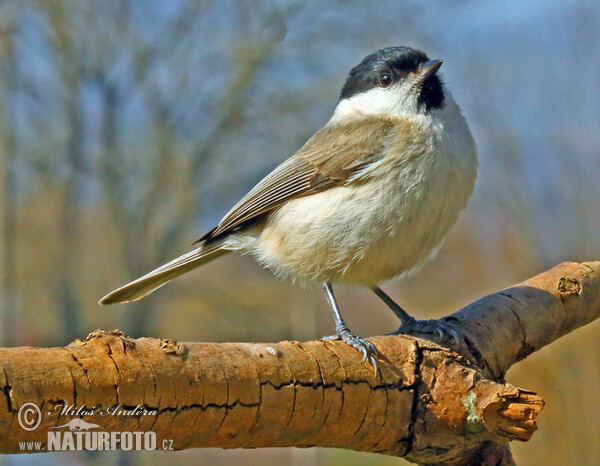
(327, 159)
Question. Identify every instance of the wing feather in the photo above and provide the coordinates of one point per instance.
(327, 159)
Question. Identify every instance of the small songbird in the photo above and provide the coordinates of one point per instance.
(367, 199)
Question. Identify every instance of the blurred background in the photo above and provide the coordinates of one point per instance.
(129, 127)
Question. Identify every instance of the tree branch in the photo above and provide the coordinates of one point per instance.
(429, 404)
(508, 326)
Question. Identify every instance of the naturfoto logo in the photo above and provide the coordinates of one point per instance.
(77, 434)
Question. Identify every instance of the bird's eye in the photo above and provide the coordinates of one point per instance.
(385, 80)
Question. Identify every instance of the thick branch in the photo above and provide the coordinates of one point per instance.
(429, 404)
(249, 395)
(506, 327)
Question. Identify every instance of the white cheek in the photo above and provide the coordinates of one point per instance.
(396, 101)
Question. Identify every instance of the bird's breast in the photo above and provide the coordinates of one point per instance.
(375, 228)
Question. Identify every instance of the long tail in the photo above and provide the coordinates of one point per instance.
(145, 285)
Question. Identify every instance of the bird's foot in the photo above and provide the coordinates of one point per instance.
(430, 326)
(366, 348)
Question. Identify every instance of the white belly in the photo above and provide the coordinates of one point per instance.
(365, 234)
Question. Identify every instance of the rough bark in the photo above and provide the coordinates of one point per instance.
(429, 404)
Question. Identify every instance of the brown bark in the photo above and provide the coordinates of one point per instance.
(429, 404)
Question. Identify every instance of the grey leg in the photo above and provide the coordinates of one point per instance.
(404, 316)
(408, 324)
(368, 349)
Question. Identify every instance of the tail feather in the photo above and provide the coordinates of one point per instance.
(145, 285)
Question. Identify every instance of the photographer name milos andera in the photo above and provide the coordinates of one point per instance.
(116, 410)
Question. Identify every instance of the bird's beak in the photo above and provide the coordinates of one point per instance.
(429, 68)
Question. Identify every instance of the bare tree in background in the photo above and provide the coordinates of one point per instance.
(8, 205)
(146, 236)
(98, 50)
(64, 38)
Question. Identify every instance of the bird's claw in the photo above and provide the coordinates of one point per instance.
(431, 326)
(366, 348)
(331, 337)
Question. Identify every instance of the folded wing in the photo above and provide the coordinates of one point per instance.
(327, 159)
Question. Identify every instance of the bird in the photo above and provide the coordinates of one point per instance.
(367, 199)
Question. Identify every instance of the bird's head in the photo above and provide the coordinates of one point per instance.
(394, 80)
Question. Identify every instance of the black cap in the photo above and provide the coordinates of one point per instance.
(398, 63)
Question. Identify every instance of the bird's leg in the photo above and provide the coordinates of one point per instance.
(405, 317)
(368, 349)
(408, 324)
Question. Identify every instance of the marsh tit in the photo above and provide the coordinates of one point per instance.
(367, 199)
